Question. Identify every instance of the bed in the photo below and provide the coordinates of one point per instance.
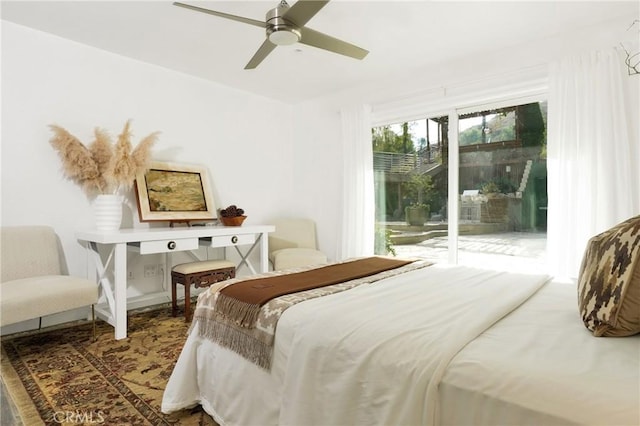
(426, 345)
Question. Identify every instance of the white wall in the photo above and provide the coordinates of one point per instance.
(519, 70)
(318, 171)
(244, 140)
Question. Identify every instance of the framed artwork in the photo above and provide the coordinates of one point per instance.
(174, 192)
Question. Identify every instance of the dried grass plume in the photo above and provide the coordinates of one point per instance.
(102, 168)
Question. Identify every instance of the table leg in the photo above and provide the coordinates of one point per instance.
(187, 300)
(102, 276)
(120, 290)
(264, 252)
(263, 242)
(174, 298)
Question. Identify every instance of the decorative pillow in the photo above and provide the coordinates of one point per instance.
(609, 281)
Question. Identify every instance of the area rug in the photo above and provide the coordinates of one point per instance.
(61, 376)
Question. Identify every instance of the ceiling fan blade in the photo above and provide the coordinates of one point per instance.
(249, 21)
(266, 48)
(303, 10)
(322, 41)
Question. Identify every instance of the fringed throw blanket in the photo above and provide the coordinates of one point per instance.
(241, 302)
(243, 315)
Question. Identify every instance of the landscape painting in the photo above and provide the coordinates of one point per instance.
(174, 192)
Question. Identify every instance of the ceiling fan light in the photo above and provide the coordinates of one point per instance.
(284, 37)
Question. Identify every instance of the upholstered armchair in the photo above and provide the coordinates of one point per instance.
(294, 244)
(33, 279)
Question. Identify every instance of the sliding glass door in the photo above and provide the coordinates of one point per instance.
(502, 178)
(497, 174)
(411, 183)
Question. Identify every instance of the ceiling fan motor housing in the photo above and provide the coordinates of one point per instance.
(280, 31)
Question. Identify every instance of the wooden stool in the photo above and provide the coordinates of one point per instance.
(201, 274)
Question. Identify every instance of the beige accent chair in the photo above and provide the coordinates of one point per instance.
(293, 244)
(33, 279)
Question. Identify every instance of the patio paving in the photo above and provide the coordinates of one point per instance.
(512, 251)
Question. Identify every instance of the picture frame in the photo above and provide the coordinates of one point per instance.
(174, 192)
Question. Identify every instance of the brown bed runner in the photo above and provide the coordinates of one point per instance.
(241, 302)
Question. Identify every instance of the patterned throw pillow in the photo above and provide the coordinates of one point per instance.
(609, 281)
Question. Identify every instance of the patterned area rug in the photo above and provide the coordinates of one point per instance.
(61, 376)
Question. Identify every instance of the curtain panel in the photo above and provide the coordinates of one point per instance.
(592, 159)
(357, 230)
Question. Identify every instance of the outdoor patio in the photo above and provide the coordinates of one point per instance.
(512, 251)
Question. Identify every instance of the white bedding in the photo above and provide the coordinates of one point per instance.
(359, 361)
(371, 355)
(541, 366)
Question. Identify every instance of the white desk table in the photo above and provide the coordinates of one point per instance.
(162, 240)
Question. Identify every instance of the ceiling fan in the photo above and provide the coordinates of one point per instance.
(285, 25)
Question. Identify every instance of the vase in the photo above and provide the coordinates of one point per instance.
(107, 209)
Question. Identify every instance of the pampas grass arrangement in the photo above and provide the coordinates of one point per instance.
(102, 167)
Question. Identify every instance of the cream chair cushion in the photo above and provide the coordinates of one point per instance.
(34, 297)
(205, 265)
(29, 251)
(293, 244)
(296, 257)
(293, 232)
(33, 280)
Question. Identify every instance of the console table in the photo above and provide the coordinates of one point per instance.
(162, 240)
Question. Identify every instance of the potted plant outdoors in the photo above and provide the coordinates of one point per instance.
(419, 188)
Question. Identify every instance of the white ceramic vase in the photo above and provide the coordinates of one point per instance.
(107, 209)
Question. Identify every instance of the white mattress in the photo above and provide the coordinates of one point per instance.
(335, 365)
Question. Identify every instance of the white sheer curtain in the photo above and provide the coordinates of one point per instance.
(592, 160)
(357, 232)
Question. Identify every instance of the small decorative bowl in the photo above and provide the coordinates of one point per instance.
(232, 221)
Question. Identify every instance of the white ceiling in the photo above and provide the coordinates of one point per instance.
(402, 36)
